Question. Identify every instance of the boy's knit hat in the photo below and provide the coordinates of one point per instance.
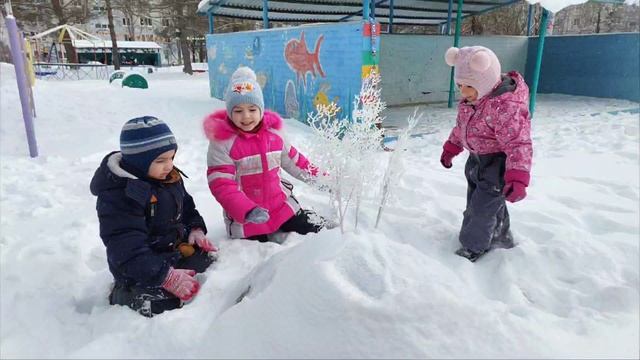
(475, 66)
(243, 89)
(142, 140)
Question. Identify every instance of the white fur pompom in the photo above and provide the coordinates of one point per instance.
(243, 73)
(480, 61)
(451, 55)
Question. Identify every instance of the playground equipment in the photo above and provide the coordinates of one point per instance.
(129, 79)
(24, 89)
(134, 80)
(65, 34)
(93, 53)
(118, 74)
(56, 65)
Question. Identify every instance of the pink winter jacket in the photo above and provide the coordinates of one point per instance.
(497, 124)
(244, 172)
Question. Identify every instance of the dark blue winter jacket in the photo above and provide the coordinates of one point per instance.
(142, 221)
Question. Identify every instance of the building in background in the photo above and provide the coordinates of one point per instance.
(130, 26)
(593, 17)
(155, 25)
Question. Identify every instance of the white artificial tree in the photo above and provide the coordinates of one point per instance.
(395, 167)
(346, 149)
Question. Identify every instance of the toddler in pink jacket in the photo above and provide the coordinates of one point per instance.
(247, 151)
(493, 124)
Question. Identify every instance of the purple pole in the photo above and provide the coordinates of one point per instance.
(21, 78)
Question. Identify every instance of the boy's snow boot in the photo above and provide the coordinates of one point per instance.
(470, 255)
(146, 301)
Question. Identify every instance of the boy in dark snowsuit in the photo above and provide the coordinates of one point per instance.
(155, 237)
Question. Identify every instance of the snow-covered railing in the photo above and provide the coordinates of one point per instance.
(66, 71)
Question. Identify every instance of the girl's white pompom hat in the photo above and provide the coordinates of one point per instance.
(475, 66)
(243, 89)
(243, 73)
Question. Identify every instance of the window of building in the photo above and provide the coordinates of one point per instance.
(126, 21)
(145, 22)
(166, 22)
(576, 22)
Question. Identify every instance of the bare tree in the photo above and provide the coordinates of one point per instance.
(185, 24)
(510, 20)
(115, 54)
(133, 10)
(598, 19)
(43, 13)
(70, 50)
(476, 26)
(181, 29)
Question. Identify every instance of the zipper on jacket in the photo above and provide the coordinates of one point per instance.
(466, 126)
(265, 165)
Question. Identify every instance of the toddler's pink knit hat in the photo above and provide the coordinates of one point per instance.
(475, 66)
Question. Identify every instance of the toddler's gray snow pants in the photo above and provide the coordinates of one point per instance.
(486, 219)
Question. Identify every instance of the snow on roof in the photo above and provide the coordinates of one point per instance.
(121, 44)
(203, 5)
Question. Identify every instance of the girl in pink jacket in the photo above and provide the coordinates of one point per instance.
(247, 150)
(494, 125)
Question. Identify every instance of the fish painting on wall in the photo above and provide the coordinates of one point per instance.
(322, 96)
(301, 61)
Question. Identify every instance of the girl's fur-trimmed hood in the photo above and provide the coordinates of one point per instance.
(217, 126)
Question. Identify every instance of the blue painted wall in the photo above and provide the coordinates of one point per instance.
(284, 87)
(603, 65)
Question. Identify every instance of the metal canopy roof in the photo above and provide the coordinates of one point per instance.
(405, 12)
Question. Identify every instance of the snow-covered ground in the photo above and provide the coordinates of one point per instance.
(569, 289)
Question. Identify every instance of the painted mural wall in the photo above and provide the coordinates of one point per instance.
(297, 67)
(413, 68)
(601, 65)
